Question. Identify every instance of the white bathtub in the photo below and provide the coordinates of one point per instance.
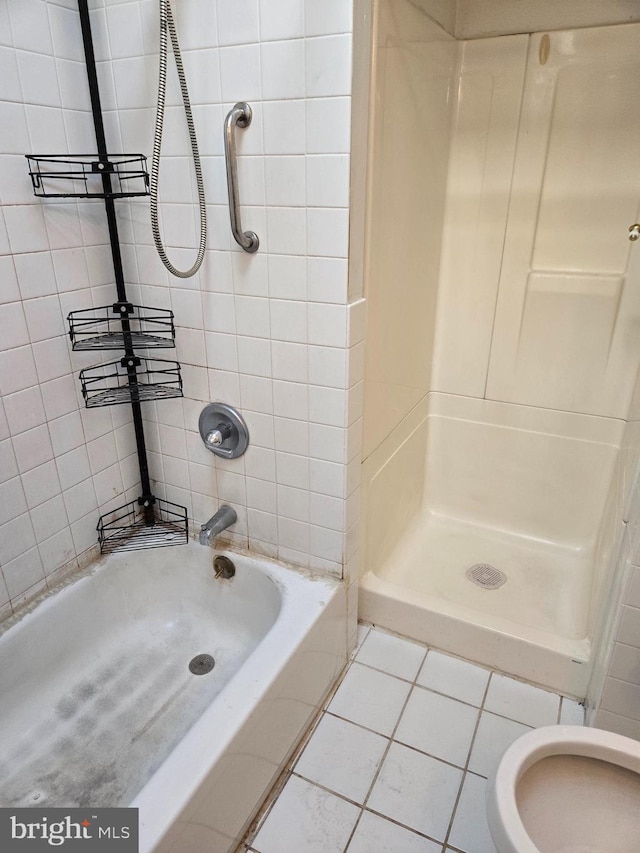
(99, 708)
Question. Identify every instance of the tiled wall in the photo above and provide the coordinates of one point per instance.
(270, 333)
(59, 465)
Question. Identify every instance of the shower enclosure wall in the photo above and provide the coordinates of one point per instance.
(502, 343)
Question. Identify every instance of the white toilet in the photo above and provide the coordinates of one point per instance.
(567, 789)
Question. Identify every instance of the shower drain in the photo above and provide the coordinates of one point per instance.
(486, 576)
(201, 664)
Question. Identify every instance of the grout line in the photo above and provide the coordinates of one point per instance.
(393, 732)
(466, 766)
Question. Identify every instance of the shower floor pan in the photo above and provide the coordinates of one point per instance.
(533, 626)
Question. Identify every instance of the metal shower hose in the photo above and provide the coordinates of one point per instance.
(167, 23)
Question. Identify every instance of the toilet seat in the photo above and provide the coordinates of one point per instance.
(504, 813)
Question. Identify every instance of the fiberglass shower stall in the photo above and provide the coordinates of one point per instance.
(503, 339)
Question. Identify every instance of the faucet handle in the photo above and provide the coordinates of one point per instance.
(216, 437)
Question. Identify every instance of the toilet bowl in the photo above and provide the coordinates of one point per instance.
(566, 789)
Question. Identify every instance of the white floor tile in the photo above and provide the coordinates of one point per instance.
(307, 818)
(376, 835)
(438, 725)
(470, 831)
(372, 699)
(493, 737)
(416, 791)
(455, 677)
(392, 654)
(522, 702)
(571, 712)
(343, 757)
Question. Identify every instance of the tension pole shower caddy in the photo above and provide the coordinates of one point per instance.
(148, 521)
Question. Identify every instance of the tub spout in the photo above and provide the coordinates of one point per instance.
(225, 517)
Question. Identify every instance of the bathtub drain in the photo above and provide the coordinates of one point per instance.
(201, 664)
(486, 576)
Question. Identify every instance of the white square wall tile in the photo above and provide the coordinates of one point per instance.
(24, 571)
(290, 400)
(440, 726)
(328, 66)
(13, 326)
(328, 443)
(326, 511)
(416, 791)
(240, 73)
(288, 320)
(629, 627)
(287, 277)
(342, 757)
(374, 833)
(328, 125)
(238, 22)
(328, 180)
(522, 702)
(24, 410)
(285, 181)
(284, 124)
(493, 737)
(281, 19)
(326, 544)
(283, 69)
(328, 17)
(286, 230)
(454, 677)
(289, 361)
(304, 817)
(292, 470)
(370, 698)
(293, 503)
(252, 316)
(254, 356)
(621, 697)
(470, 830)
(328, 232)
(328, 406)
(328, 366)
(327, 325)
(12, 500)
(394, 655)
(17, 370)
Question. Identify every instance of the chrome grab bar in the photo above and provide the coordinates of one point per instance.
(240, 115)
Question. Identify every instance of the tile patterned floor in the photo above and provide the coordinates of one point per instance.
(398, 761)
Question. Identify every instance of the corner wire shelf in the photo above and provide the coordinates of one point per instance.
(148, 522)
(80, 175)
(134, 526)
(130, 379)
(101, 328)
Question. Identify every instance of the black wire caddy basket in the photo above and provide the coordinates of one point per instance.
(80, 175)
(102, 328)
(130, 379)
(143, 524)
